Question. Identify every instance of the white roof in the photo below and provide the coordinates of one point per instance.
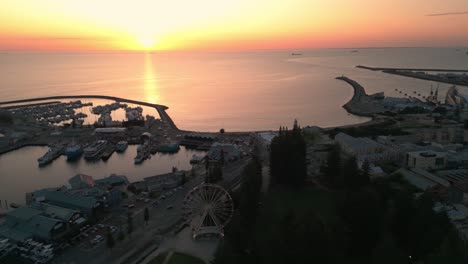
(267, 136)
(357, 143)
(109, 129)
(417, 180)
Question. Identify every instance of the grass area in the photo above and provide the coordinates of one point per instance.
(180, 258)
(177, 258)
(159, 259)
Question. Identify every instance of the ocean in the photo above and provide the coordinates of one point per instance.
(238, 91)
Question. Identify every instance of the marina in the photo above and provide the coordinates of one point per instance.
(29, 178)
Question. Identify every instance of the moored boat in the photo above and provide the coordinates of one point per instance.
(73, 152)
(168, 148)
(121, 146)
(51, 155)
(108, 151)
(94, 151)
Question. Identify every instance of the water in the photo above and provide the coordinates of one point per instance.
(20, 173)
(235, 90)
(204, 91)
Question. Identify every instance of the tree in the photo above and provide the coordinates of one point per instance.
(121, 235)
(366, 169)
(146, 215)
(110, 240)
(221, 131)
(288, 157)
(332, 170)
(129, 223)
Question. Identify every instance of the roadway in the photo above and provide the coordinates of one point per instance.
(146, 238)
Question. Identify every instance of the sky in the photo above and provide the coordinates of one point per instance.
(230, 25)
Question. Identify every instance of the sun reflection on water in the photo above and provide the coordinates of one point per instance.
(151, 88)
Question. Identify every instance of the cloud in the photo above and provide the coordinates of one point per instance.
(449, 14)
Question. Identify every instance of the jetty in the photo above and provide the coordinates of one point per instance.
(450, 76)
(361, 104)
(407, 69)
(160, 108)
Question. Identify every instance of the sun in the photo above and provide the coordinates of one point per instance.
(147, 42)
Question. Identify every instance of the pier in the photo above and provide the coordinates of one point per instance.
(422, 74)
(407, 69)
(160, 108)
(361, 104)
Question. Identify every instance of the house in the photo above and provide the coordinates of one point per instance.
(426, 160)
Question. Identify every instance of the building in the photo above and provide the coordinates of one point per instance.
(113, 181)
(422, 179)
(25, 222)
(446, 134)
(158, 183)
(81, 181)
(366, 148)
(85, 204)
(459, 181)
(71, 218)
(228, 152)
(267, 137)
(429, 160)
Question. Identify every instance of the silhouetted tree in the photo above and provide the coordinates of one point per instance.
(288, 157)
(333, 169)
(110, 240)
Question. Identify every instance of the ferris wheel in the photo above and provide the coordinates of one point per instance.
(208, 208)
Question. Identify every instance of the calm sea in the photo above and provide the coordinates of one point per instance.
(204, 92)
(235, 90)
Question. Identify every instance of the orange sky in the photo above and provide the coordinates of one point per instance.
(229, 25)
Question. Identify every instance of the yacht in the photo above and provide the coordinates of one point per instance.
(121, 146)
(51, 154)
(94, 151)
(73, 152)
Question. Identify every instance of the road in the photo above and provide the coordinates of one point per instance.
(146, 237)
